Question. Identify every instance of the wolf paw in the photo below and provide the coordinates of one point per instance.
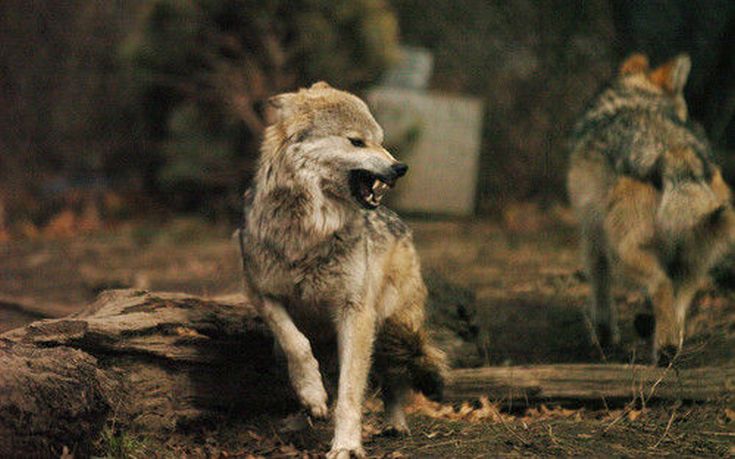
(395, 423)
(396, 431)
(346, 453)
(314, 398)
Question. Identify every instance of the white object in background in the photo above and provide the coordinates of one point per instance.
(412, 70)
(438, 136)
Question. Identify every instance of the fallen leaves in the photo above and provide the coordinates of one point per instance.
(543, 412)
(482, 411)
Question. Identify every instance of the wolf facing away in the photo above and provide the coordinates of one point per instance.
(649, 198)
(324, 260)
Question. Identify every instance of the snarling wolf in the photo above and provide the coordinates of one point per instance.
(324, 260)
(649, 197)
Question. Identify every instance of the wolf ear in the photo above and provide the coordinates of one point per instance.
(280, 107)
(635, 63)
(672, 76)
(320, 85)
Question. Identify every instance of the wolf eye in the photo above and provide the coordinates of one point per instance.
(359, 143)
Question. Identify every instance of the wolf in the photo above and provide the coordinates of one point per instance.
(325, 261)
(649, 197)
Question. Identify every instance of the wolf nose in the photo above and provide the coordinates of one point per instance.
(400, 169)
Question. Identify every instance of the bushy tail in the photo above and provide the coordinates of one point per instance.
(402, 353)
(691, 198)
(688, 206)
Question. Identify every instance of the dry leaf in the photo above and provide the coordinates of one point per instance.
(368, 430)
(289, 450)
(296, 422)
(544, 412)
(255, 436)
(467, 412)
(372, 405)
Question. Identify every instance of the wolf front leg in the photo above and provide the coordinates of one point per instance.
(355, 334)
(303, 368)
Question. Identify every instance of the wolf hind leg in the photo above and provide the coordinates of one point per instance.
(668, 335)
(396, 393)
(668, 331)
(666, 352)
(602, 313)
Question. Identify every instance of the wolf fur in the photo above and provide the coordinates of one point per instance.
(324, 261)
(649, 197)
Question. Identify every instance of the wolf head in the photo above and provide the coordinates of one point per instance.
(327, 139)
(667, 80)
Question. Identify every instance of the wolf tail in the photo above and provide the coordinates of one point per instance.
(406, 354)
(687, 206)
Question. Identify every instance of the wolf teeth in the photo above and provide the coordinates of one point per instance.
(377, 190)
(379, 187)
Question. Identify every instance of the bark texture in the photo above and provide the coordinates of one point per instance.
(158, 362)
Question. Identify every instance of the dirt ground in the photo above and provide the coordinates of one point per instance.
(529, 292)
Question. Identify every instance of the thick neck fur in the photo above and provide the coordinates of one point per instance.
(289, 202)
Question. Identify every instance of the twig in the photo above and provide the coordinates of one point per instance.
(513, 432)
(624, 413)
(593, 334)
(668, 426)
(724, 434)
(661, 378)
(551, 435)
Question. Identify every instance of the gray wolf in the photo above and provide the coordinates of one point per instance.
(324, 260)
(650, 199)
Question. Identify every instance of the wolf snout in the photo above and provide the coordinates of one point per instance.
(399, 169)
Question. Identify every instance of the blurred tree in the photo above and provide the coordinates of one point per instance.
(535, 64)
(64, 118)
(204, 68)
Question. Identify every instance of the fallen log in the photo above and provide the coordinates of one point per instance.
(157, 362)
(606, 384)
(165, 362)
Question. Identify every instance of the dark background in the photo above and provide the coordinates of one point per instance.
(112, 110)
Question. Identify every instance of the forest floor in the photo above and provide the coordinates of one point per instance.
(529, 295)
